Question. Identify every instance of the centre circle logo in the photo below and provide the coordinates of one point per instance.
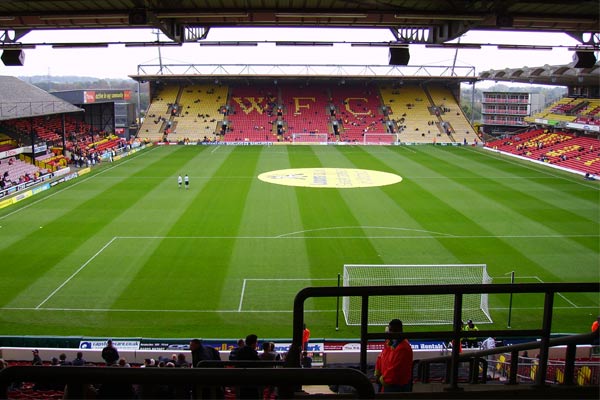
(336, 178)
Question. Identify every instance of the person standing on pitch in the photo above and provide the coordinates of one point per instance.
(179, 181)
(305, 337)
(186, 179)
(472, 340)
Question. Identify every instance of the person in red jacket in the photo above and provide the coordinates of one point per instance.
(393, 368)
(305, 337)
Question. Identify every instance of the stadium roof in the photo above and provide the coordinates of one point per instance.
(233, 72)
(425, 21)
(19, 99)
(560, 75)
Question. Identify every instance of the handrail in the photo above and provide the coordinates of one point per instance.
(585, 338)
(240, 363)
(197, 376)
(549, 290)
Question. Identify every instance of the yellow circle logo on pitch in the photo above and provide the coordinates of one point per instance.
(337, 178)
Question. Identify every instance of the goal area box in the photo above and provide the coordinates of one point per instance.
(310, 138)
(380, 138)
(416, 309)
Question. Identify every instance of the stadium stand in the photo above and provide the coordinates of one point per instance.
(14, 171)
(7, 147)
(199, 113)
(589, 113)
(305, 109)
(251, 114)
(49, 129)
(159, 112)
(450, 111)
(359, 110)
(569, 109)
(410, 110)
(580, 154)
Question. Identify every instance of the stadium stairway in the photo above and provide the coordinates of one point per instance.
(360, 111)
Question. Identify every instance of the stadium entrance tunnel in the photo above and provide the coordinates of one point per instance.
(337, 178)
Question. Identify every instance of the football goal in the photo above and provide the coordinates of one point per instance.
(416, 309)
(380, 138)
(309, 138)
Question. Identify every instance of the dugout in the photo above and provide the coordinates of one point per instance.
(108, 110)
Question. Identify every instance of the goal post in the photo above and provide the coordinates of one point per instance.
(309, 138)
(416, 309)
(380, 138)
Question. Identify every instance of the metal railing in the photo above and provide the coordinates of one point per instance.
(292, 376)
(76, 378)
(548, 289)
(477, 358)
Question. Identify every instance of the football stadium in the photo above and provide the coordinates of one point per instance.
(291, 200)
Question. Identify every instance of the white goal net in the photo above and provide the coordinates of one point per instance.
(416, 309)
(380, 138)
(309, 138)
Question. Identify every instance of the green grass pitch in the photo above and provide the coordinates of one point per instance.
(122, 252)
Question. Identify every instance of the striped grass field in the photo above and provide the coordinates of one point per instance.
(123, 252)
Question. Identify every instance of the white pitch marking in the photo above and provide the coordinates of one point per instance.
(73, 185)
(361, 227)
(441, 236)
(290, 279)
(408, 149)
(496, 157)
(561, 295)
(230, 311)
(76, 272)
(150, 310)
(242, 296)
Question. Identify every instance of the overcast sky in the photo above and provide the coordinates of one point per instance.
(117, 61)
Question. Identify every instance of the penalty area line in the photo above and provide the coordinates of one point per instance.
(560, 294)
(75, 273)
(242, 296)
(124, 310)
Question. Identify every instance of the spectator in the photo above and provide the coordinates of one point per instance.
(37, 360)
(393, 368)
(148, 363)
(123, 363)
(201, 353)
(233, 353)
(181, 361)
(489, 343)
(79, 361)
(110, 355)
(249, 353)
(62, 359)
(269, 353)
(306, 360)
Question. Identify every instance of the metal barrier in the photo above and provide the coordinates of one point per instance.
(548, 289)
(76, 377)
(292, 376)
(477, 359)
